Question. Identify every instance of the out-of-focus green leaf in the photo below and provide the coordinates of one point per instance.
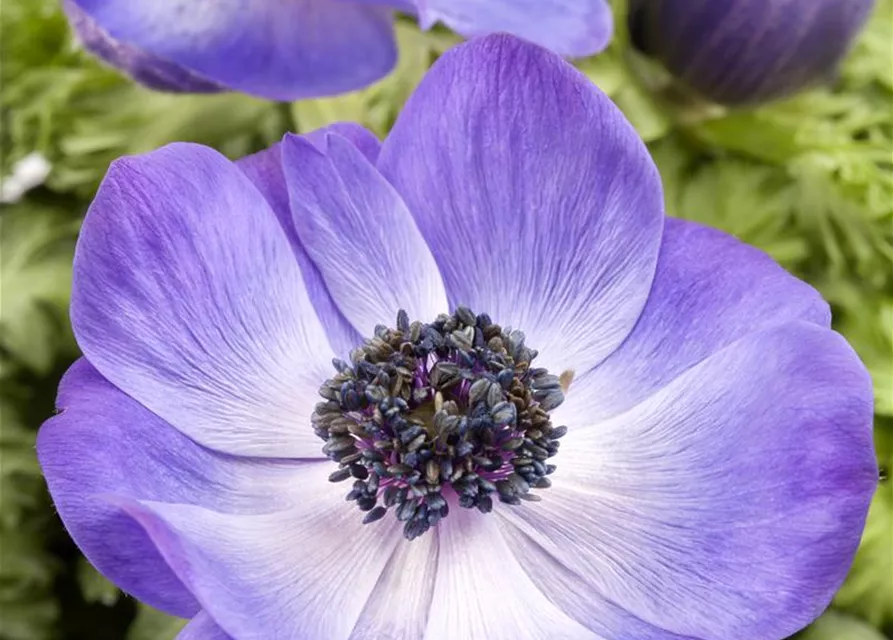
(29, 619)
(36, 249)
(607, 70)
(749, 200)
(95, 587)
(81, 115)
(151, 624)
(28, 610)
(869, 62)
(646, 115)
(837, 626)
(868, 591)
(143, 120)
(867, 322)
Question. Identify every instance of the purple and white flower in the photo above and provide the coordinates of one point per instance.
(715, 463)
(293, 49)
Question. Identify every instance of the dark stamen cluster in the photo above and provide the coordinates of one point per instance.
(425, 408)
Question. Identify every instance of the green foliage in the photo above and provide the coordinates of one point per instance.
(36, 250)
(151, 624)
(82, 115)
(610, 73)
(752, 201)
(836, 146)
(868, 592)
(836, 626)
(809, 180)
(28, 610)
(94, 586)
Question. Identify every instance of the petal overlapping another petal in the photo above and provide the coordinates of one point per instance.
(305, 572)
(727, 505)
(483, 591)
(187, 296)
(103, 443)
(709, 290)
(265, 170)
(360, 235)
(399, 605)
(537, 198)
(202, 627)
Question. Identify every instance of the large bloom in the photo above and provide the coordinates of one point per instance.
(738, 52)
(715, 466)
(291, 49)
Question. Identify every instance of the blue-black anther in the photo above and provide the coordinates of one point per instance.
(448, 410)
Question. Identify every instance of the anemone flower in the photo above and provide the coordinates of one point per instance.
(292, 49)
(738, 52)
(230, 449)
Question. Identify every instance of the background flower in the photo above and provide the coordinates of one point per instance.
(304, 48)
(684, 504)
(747, 51)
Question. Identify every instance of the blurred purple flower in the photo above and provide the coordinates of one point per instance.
(293, 49)
(737, 52)
(717, 465)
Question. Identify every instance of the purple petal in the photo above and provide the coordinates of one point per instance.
(574, 28)
(277, 50)
(103, 442)
(187, 297)
(360, 235)
(152, 71)
(709, 290)
(406, 6)
(306, 572)
(398, 608)
(540, 203)
(575, 597)
(265, 170)
(364, 140)
(482, 590)
(202, 627)
(729, 504)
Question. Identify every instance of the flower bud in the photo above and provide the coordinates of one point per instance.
(737, 52)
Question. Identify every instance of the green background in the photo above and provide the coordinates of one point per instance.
(809, 180)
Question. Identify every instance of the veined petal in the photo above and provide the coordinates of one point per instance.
(306, 572)
(364, 140)
(145, 68)
(187, 296)
(103, 442)
(709, 291)
(360, 235)
(730, 503)
(265, 170)
(202, 627)
(398, 608)
(482, 591)
(577, 598)
(536, 196)
(277, 50)
(574, 28)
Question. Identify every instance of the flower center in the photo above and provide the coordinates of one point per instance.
(448, 410)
